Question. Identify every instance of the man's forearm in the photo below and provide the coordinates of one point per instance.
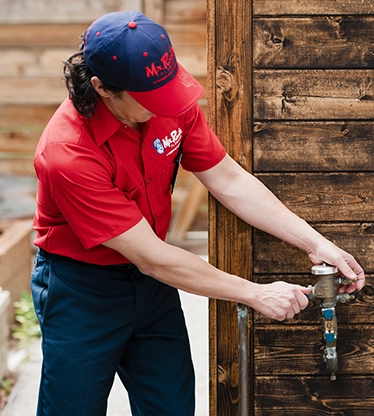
(183, 270)
(244, 195)
(249, 199)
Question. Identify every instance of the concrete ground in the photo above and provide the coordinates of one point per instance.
(22, 401)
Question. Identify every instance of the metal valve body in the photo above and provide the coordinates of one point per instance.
(326, 290)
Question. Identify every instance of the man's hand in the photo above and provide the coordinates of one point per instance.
(280, 300)
(327, 252)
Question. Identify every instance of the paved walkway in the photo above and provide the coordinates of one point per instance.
(22, 401)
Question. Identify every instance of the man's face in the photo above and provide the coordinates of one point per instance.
(126, 109)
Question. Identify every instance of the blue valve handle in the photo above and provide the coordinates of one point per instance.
(330, 337)
(328, 313)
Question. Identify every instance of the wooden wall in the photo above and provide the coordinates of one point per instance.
(37, 35)
(292, 93)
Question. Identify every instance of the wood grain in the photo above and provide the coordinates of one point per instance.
(47, 11)
(295, 350)
(314, 42)
(306, 7)
(313, 146)
(324, 196)
(313, 396)
(275, 256)
(313, 94)
(230, 114)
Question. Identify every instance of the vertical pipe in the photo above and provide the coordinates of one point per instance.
(243, 360)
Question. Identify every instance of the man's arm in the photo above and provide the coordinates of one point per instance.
(183, 270)
(249, 199)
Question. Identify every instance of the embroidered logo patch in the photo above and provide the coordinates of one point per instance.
(158, 146)
(164, 69)
(169, 143)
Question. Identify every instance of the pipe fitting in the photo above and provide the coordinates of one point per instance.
(326, 290)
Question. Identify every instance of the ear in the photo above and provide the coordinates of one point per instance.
(98, 86)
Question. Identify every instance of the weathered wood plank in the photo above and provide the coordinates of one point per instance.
(313, 94)
(47, 11)
(17, 152)
(186, 34)
(305, 7)
(314, 396)
(155, 10)
(323, 196)
(17, 166)
(34, 91)
(39, 91)
(298, 350)
(47, 34)
(313, 146)
(69, 35)
(33, 62)
(185, 12)
(24, 142)
(25, 118)
(42, 11)
(48, 62)
(314, 42)
(275, 256)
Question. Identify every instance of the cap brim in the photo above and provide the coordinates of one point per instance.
(172, 99)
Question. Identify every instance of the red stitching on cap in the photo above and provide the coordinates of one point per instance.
(98, 33)
(114, 57)
(145, 54)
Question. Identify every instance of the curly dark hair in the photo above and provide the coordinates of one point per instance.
(77, 77)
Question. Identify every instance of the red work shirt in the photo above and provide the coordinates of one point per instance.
(97, 177)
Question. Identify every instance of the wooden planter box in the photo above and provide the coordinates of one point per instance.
(4, 331)
(15, 260)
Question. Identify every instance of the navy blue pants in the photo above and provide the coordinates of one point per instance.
(97, 321)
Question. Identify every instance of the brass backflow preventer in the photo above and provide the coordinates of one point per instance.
(326, 290)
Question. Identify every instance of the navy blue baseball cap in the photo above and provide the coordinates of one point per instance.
(129, 51)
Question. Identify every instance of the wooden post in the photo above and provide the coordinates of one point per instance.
(230, 240)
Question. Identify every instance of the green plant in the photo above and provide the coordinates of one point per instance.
(28, 326)
(6, 387)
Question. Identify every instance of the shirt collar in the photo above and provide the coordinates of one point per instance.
(103, 123)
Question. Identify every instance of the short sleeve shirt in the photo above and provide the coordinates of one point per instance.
(98, 177)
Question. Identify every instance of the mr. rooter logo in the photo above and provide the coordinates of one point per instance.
(164, 69)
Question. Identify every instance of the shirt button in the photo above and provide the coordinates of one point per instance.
(147, 181)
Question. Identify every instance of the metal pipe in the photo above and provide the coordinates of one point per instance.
(243, 361)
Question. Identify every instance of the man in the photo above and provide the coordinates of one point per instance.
(104, 282)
